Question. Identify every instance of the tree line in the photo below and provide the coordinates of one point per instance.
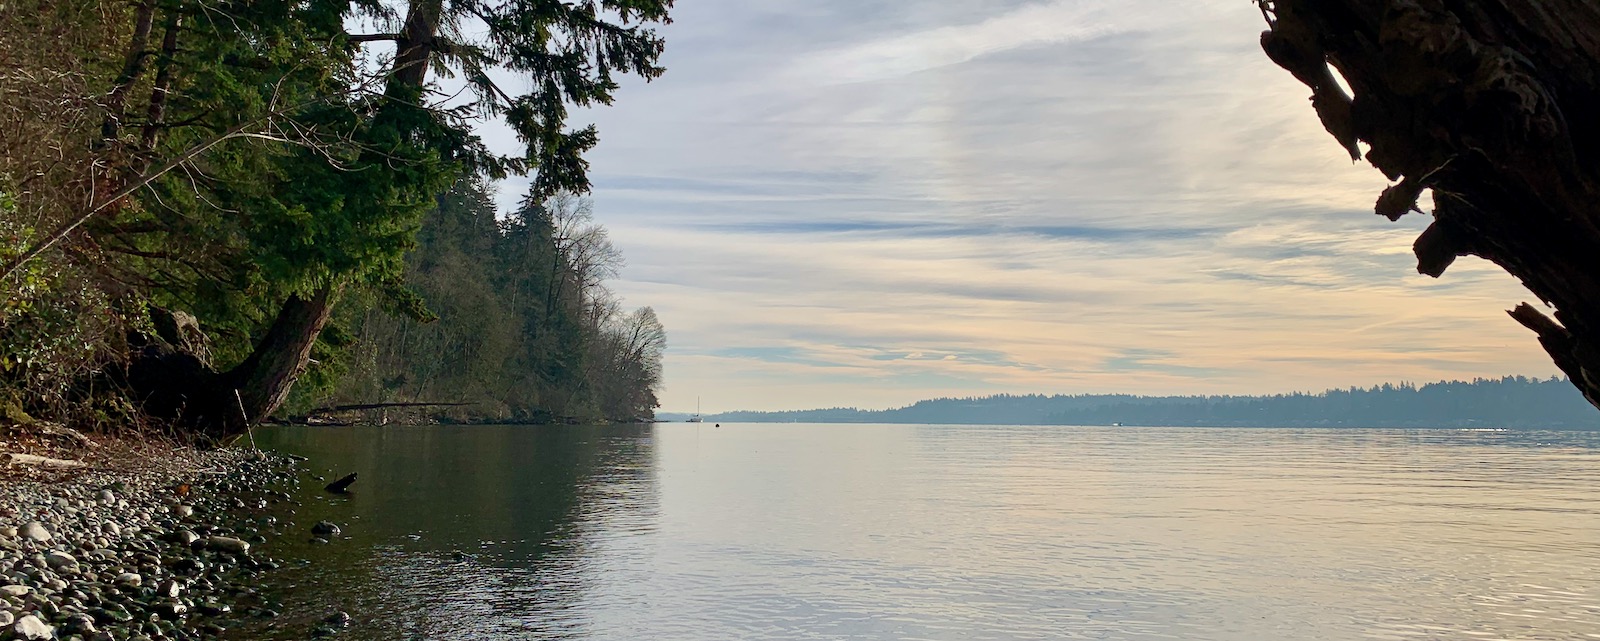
(526, 330)
(200, 199)
(1508, 402)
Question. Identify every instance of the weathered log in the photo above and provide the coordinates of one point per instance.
(42, 461)
(1490, 104)
(379, 406)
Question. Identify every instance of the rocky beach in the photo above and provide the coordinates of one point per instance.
(145, 543)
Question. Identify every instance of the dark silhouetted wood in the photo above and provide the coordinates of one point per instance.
(342, 485)
(1491, 105)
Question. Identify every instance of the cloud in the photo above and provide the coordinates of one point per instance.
(1031, 25)
(864, 202)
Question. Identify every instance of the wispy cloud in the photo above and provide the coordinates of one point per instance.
(864, 202)
(931, 48)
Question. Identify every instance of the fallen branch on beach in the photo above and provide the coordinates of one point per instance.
(42, 461)
(379, 406)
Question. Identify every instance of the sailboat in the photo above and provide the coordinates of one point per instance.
(695, 418)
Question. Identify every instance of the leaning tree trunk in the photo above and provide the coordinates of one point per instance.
(264, 380)
(1494, 105)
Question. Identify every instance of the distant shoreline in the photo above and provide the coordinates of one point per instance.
(1512, 402)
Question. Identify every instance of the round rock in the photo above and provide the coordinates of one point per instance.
(35, 530)
(30, 628)
(60, 560)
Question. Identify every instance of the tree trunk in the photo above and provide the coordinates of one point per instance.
(263, 380)
(1492, 105)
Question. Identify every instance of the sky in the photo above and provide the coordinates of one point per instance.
(870, 202)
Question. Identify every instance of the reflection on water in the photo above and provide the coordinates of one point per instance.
(950, 532)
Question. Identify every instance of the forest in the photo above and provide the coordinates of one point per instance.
(217, 213)
(1509, 402)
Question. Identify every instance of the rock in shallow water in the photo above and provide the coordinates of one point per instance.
(228, 544)
(325, 529)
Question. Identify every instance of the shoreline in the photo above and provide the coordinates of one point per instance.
(139, 542)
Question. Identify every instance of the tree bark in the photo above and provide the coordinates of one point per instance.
(265, 378)
(1490, 104)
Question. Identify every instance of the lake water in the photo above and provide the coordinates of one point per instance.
(783, 531)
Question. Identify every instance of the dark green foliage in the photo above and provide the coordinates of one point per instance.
(309, 166)
(519, 331)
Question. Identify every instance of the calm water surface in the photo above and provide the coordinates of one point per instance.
(693, 532)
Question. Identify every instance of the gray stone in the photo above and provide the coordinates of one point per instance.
(60, 560)
(16, 591)
(107, 497)
(228, 544)
(186, 537)
(111, 528)
(35, 530)
(7, 618)
(79, 624)
(129, 580)
(30, 628)
(182, 511)
(9, 531)
(325, 529)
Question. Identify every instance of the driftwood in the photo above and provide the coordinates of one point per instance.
(66, 433)
(1491, 105)
(377, 406)
(42, 461)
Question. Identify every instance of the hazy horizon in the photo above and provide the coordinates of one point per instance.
(1285, 392)
(858, 203)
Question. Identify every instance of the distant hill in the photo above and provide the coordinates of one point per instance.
(1510, 402)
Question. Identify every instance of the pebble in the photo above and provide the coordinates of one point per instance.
(34, 530)
(31, 628)
(60, 560)
(325, 529)
(171, 589)
(228, 544)
(103, 561)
